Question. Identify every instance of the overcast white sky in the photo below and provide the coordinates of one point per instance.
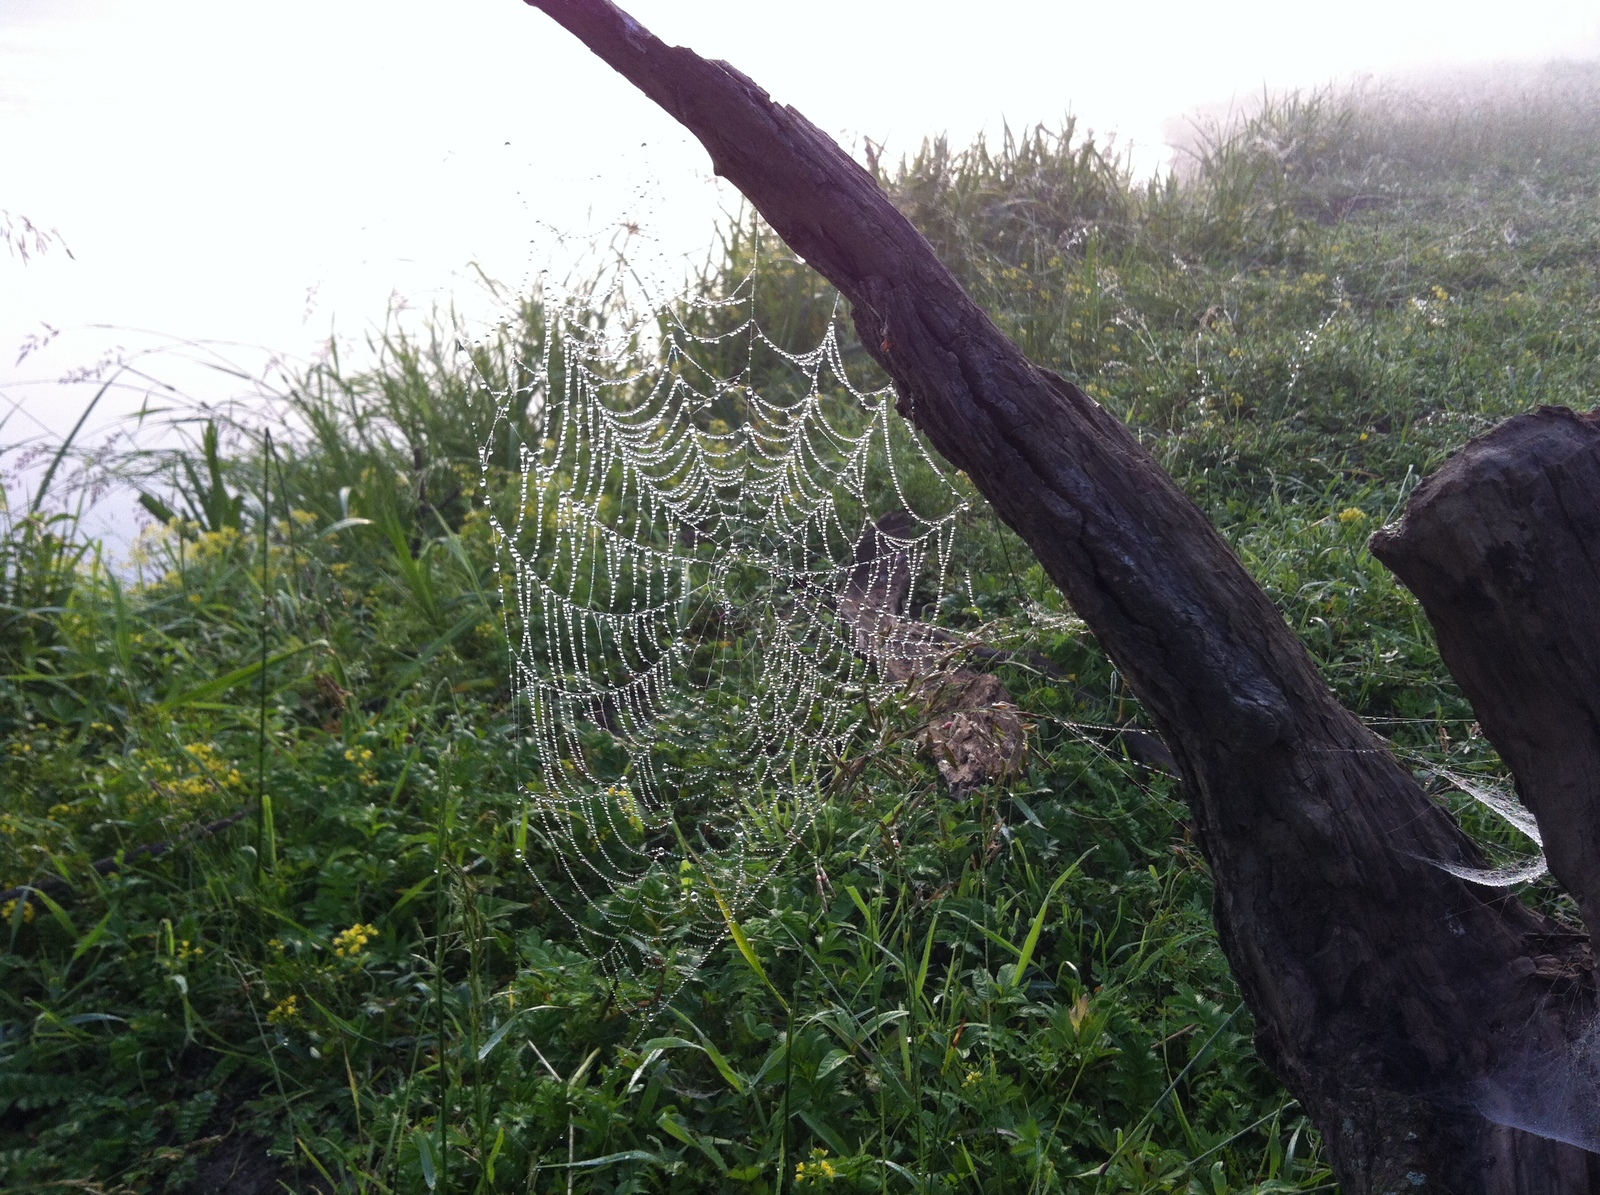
(268, 174)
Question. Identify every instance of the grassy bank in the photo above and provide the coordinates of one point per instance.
(335, 973)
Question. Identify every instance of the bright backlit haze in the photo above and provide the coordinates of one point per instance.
(272, 175)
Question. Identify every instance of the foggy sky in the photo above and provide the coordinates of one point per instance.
(271, 175)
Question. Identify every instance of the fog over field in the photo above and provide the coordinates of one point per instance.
(619, 754)
(233, 187)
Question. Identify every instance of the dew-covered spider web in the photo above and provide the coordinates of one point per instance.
(702, 518)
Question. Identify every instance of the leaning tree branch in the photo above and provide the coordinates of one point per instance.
(1401, 1005)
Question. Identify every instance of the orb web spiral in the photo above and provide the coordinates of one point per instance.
(690, 497)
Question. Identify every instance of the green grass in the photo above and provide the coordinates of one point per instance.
(358, 985)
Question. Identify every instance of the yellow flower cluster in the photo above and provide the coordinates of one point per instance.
(623, 795)
(350, 942)
(9, 909)
(361, 758)
(284, 1011)
(1352, 514)
(213, 544)
(188, 950)
(200, 773)
(817, 1170)
(218, 768)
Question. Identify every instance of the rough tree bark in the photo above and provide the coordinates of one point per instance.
(1412, 1014)
(1502, 547)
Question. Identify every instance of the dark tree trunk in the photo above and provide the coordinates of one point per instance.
(1502, 547)
(1401, 1005)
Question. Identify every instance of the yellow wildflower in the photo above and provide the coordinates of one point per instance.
(818, 1170)
(8, 910)
(1352, 514)
(629, 803)
(284, 1011)
(350, 942)
(213, 544)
